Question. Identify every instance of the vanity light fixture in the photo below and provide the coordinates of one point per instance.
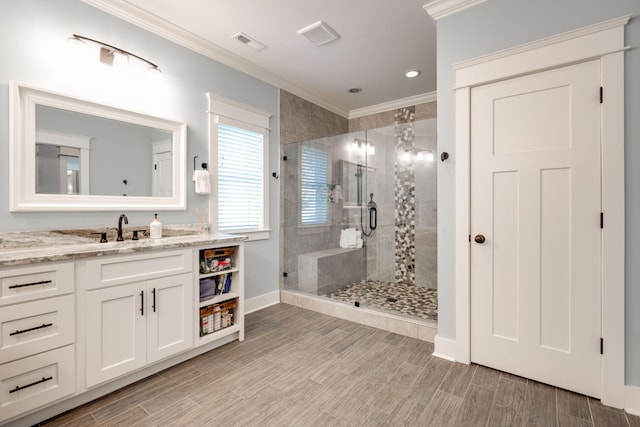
(109, 53)
(412, 74)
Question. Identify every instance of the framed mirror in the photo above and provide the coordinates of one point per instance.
(70, 154)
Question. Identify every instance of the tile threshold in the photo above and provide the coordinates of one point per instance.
(422, 329)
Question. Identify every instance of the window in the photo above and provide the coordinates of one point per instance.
(240, 179)
(314, 180)
(239, 152)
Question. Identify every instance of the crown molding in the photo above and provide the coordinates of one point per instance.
(393, 105)
(154, 24)
(547, 41)
(438, 9)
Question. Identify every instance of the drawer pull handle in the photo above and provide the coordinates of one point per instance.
(18, 388)
(154, 299)
(18, 332)
(43, 282)
(142, 303)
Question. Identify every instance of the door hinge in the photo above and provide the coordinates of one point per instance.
(601, 345)
(601, 94)
(601, 219)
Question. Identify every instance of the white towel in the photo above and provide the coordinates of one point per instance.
(337, 194)
(203, 181)
(348, 238)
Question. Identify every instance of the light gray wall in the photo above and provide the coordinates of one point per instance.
(35, 51)
(119, 151)
(499, 24)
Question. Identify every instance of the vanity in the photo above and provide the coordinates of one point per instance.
(82, 315)
(80, 319)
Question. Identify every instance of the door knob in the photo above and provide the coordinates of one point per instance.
(479, 238)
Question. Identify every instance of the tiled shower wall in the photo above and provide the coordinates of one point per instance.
(405, 196)
(404, 247)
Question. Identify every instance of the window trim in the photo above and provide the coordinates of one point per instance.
(230, 112)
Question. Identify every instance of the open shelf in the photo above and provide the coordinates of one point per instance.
(218, 273)
(220, 315)
(219, 298)
(219, 334)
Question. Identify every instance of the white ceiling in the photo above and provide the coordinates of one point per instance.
(379, 41)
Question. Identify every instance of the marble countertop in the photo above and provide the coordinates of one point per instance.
(20, 248)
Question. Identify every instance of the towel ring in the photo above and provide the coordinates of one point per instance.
(204, 165)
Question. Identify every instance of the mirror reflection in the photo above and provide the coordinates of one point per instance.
(78, 153)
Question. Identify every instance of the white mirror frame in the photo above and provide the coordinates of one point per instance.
(22, 148)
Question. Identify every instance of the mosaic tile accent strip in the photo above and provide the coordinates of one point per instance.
(405, 196)
(397, 298)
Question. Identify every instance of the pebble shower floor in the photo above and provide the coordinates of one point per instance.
(397, 298)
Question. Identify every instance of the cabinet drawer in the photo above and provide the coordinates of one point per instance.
(133, 268)
(34, 327)
(35, 381)
(30, 283)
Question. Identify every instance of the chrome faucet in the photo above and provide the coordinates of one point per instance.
(126, 221)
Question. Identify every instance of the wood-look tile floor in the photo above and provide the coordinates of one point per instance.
(301, 368)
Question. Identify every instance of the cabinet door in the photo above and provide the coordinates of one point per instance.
(170, 322)
(115, 331)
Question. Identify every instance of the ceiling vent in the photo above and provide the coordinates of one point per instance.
(319, 33)
(245, 39)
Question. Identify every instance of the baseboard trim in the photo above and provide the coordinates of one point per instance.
(632, 400)
(261, 301)
(445, 348)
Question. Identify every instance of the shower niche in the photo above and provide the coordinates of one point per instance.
(358, 181)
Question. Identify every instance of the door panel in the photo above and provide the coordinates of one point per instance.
(170, 322)
(505, 230)
(555, 260)
(535, 196)
(116, 330)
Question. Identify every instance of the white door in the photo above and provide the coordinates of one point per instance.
(162, 184)
(115, 331)
(170, 321)
(535, 198)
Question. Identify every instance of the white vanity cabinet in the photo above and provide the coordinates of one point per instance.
(138, 310)
(37, 326)
(75, 330)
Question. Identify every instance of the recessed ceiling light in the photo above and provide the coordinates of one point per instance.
(412, 73)
(355, 90)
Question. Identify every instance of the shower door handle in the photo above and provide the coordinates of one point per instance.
(479, 238)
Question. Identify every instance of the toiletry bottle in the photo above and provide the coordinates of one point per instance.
(155, 228)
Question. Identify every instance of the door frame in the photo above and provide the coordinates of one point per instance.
(605, 42)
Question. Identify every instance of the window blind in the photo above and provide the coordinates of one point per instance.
(240, 178)
(314, 170)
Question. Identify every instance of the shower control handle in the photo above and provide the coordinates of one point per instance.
(479, 238)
